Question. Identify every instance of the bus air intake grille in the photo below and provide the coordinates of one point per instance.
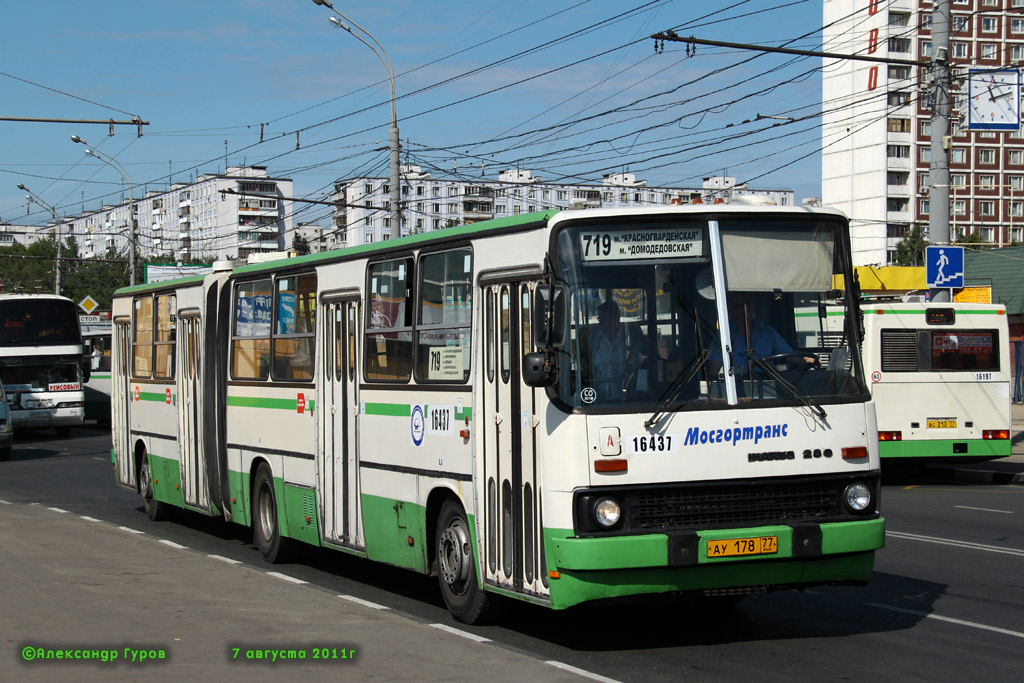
(726, 504)
(703, 507)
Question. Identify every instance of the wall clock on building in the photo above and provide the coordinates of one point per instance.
(994, 99)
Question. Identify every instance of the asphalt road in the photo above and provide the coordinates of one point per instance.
(946, 601)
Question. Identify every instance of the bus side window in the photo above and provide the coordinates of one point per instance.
(445, 298)
(293, 338)
(250, 346)
(388, 346)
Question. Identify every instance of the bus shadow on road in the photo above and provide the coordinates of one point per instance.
(890, 603)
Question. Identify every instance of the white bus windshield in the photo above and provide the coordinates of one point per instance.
(645, 314)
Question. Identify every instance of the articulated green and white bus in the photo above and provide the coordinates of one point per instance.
(940, 377)
(447, 403)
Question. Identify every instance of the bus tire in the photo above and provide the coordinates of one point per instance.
(155, 510)
(5, 454)
(63, 432)
(265, 530)
(456, 569)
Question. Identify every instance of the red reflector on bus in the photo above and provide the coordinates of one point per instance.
(616, 465)
(855, 452)
(554, 574)
(890, 436)
(995, 434)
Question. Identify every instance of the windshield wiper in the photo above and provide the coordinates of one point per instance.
(672, 391)
(794, 391)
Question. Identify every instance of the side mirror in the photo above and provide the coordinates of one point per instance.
(538, 370)
(549, 316)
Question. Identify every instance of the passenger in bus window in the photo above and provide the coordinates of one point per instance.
(614, 359)
(764, 339)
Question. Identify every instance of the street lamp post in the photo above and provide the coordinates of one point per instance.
(32, 196)
(111, 161)
(393, 139)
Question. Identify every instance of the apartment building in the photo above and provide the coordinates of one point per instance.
(363, 212)
(876, 132)
(219, 216)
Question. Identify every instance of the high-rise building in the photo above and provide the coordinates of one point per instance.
(230, 215)
(876, 132)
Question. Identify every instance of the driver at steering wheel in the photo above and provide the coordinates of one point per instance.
(764, 339)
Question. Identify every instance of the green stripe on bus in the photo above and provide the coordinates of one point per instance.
(289, 404)
(152, 396)
(405, 410)
(943, 448)
(389, 409)
(868, 310)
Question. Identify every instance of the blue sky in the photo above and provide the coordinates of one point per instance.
(569, 90)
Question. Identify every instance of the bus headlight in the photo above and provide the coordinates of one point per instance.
(607, 512)
(857, 497)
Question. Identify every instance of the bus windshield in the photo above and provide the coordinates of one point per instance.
(646, 310)
(36, 322)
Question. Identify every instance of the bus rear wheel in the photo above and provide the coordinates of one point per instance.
(456, 570)
(63, 432)
(266, 531)
(155, 510)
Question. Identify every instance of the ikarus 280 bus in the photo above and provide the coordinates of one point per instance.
(446, 403)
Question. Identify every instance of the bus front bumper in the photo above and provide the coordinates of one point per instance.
(805, 555)
(48, 417)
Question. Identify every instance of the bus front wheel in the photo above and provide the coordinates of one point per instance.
(155, 510)
(456, 570)
(266, 532)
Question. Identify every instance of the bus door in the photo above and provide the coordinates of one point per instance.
(511, 471)
(337, 459)
(193, 472)
(120, 397)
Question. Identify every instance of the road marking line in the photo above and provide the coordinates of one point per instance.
(360, 601)
(224, 559)
(959, 544)
(132, 531)
(951, 620)
(967, 507)
(173, 544)
(88, 518)
(464, 634)
(6, 502)
(581, 672)
(285, 577)
(100, 459)
(63, 512)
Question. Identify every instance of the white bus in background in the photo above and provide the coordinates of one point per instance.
(940, 377)
(41, 361)
(96, 349)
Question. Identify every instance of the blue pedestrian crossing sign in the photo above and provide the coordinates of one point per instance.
(944, 266)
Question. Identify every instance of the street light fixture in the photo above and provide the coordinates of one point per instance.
(393, 139)
(32, 196)
(111, 161)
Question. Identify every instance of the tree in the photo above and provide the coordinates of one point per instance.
(300, 245)
(910, 249)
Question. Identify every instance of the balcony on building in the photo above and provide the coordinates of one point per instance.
(475, 210)
(586, 199)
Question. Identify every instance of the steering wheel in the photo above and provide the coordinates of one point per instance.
(795, 360)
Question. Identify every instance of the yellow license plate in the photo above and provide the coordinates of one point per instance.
(941, 424)
(733, 547)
